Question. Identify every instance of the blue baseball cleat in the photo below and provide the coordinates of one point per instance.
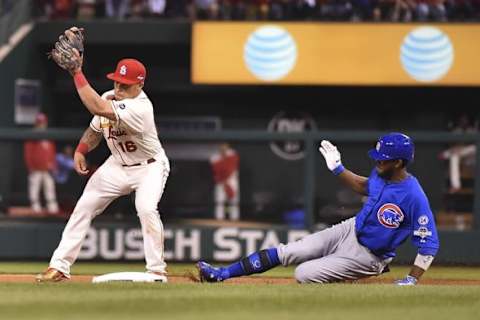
(208, 273)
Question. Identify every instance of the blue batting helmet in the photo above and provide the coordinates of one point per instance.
(393, 146)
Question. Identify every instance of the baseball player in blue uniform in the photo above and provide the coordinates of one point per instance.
(362, 246)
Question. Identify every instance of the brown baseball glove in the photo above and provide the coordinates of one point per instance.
(68, 50)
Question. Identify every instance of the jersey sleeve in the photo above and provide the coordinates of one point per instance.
(95, 124)
(130, 113)
(425, 236)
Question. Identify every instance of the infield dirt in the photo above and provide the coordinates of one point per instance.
(25, 278)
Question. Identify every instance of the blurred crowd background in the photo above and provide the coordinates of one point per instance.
(288, 10)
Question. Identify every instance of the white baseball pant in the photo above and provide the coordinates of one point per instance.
(35, 181)
(223, 204)
(109, 182)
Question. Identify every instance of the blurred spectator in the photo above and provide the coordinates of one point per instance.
(40, 162)
(41, 8)
(303, 9)
(139, 9)
(55, 9)
(460, 154)
(336, 10)
(276, 10)
(462, 10)
(438, 10)
(65, 165)
(206, 9)
(330, 10)
(362, 10)
(86, 9)
(225, 164)
(403, 11)
(117, 9)
(382, 10)
(422, 10)
(178, 8)
(239, 10)
(156, 8)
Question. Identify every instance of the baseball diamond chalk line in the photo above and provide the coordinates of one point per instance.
(25, 278)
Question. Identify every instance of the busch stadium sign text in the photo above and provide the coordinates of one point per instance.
(184, 244)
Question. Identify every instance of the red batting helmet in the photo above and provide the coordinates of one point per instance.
(129, 71)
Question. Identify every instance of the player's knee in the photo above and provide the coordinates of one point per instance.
(87, 207)
(301, 275)
(304, 274)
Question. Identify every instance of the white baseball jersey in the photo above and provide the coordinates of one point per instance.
(133, 137)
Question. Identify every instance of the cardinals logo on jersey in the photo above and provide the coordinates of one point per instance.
(390, 215)
(105, 123)
(113, 134)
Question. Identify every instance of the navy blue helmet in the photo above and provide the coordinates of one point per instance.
(393, 146)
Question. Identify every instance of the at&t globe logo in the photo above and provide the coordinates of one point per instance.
(426, 54)
(270, 53)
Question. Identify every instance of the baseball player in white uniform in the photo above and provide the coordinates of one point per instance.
(124, 117)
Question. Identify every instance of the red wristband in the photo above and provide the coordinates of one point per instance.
(82, 148)
(80, 80)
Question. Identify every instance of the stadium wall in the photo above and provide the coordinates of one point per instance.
(110, 241)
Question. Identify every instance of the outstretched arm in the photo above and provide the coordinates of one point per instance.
(90, 98)
(334, 163)
(88, 142)
(68, 54)
(356, 182)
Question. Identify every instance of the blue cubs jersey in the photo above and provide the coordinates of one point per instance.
(393, 212)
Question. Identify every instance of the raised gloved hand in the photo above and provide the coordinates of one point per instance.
(407, 281)
(68, 50)
(332, 157)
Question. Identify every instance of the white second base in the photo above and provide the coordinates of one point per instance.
(130, 276)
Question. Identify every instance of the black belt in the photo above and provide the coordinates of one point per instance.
(140, 163)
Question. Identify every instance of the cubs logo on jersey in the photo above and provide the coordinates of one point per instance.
(390, 215)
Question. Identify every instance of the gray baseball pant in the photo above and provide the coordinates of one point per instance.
(331, 255)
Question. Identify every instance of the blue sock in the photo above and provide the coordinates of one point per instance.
(257, 262)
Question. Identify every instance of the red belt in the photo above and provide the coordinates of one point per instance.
(140, 163)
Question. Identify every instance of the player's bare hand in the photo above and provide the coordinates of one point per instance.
(331, 155)
(80, 164)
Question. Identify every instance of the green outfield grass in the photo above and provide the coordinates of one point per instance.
(224, 301)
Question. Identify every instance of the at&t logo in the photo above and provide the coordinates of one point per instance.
(427, 54)
(270, 53)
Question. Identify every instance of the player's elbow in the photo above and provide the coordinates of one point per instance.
(103, 108)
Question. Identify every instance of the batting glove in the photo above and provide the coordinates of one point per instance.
(407, 281)
(332, 157)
